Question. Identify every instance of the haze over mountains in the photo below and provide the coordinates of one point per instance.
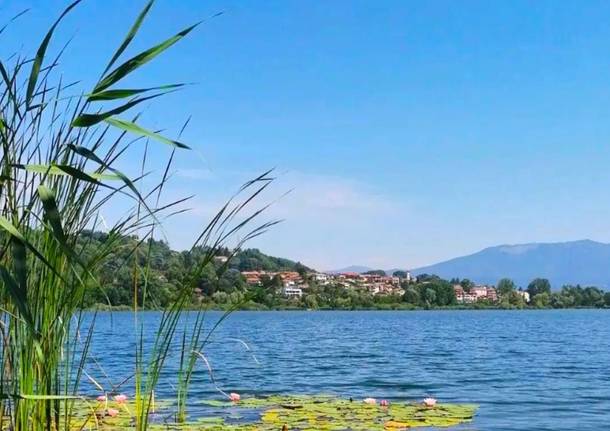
(582, 262)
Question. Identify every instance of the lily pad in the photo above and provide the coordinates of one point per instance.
(302, 413)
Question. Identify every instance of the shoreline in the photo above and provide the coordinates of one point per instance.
(125, 308)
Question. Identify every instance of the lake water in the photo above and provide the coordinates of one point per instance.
(528, 370)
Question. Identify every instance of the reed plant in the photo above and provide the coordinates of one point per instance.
(58, 174)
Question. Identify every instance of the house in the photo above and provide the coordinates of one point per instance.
(252, 277)
(462, 296)
(492, 294)
(479, 292)
(290, 277)
(320, 277)
(476, 293)
(350, 275)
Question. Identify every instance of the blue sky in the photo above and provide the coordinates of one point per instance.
(410, 132)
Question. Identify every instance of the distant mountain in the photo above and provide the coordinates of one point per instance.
(582, 262)
(353, 268)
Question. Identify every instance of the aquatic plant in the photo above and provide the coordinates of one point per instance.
(58, 175)
(309, 413)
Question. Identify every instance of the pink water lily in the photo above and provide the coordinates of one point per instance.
(234, 397)
(429, 402)
(112, 412)
(101, 398)
(121, 399)
(384, 403)
(370, 401)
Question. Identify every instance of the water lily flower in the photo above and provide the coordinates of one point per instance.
(121, 399)
(384, 403)
(429, 402)
(101, 398)
(112, 412)
(370, 401)
(234, 397)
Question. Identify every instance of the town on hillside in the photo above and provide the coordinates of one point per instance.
(294, 284)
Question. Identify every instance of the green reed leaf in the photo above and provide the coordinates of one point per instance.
(78, 174)
(42, 49)
(17, 294)
(52, 213)
(61, 171)
(18, 236)
(12, 230)
(139, 60)
(128, 126)
(128, 92)
(88, 120)
(47, 397)
(130, 35)
(90, 155)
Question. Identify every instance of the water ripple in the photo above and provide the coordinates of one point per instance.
(528, 370)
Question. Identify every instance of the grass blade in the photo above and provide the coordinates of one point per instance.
(61, 171)
(42, 49)
(139, 60)
(17, 293)
(88, 120)
(128, 126)
(128, 92)
(130, 35)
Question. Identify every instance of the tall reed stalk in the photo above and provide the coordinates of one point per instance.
(58, 174)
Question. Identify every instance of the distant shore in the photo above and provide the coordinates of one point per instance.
(398, 307)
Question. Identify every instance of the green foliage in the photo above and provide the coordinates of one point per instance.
(505, 287)
(254, 260)
(430, 293)
(577, 296)
(277, 412)
(538, 286)
(58, 174)
(541, 300)
(312, 413)
(379, 272)
(466, 284)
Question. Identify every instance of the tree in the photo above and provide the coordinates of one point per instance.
(516, 300)
(400, 274)
(311, 302)
(466, 285)
(505, 286)
(380, 272)
(427, 277)
(542, 300)
(411, 296)
(301, 269)
(538, 286)
(430, 296)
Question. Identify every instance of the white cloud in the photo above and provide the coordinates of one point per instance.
(195, 174)
(327, 196)
(327, 219)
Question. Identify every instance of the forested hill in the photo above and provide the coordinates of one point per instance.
(163, 267)
(254, 260)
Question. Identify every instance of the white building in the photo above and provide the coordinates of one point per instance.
(292, 292)
(321, 277)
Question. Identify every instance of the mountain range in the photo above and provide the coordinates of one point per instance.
(582, 262)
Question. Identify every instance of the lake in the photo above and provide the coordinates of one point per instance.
(528, 370)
